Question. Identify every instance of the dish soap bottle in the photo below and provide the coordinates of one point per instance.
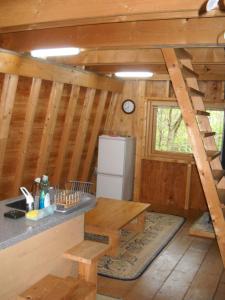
(44, 200)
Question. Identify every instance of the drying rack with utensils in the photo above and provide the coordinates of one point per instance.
(74, 195)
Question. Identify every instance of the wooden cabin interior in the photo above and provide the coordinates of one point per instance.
(53, 110)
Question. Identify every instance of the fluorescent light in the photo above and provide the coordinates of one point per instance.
(43, 53)
(134, 74)
(211, 4)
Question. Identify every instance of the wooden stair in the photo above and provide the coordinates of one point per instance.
(87, 254)
(53, 287)
(205, 152)
(84, 287)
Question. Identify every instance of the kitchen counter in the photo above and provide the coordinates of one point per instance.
(29, 250)
(14, 231)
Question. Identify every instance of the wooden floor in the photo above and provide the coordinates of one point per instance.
(189, 268)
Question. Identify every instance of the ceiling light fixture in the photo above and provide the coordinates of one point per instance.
(43, 53)
(134, 74)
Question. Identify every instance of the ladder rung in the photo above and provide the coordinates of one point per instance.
(182, 53)
(194, 92)
(212, 154)
(188, 73)
(202, 113)
(221, 194)
(207, 133)
(218, 174)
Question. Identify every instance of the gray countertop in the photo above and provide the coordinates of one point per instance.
(14, 231)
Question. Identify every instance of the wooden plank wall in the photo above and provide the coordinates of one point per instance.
(170, 183)
(51, 125)
(50, 118)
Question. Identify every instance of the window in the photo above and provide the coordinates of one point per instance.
(170, 131)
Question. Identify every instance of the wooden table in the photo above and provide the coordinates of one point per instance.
(110, 215)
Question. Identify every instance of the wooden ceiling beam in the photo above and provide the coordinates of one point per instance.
(139, 56)
(13, 63)
(199, 32)
(206, 72)
(156, 68)
(53, 13)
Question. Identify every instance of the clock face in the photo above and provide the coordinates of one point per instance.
(128, 106)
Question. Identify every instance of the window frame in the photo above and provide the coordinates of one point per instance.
(150, 150)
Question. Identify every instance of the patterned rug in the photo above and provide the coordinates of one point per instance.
(138, 250)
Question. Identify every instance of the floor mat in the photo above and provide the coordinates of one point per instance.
(138, 250)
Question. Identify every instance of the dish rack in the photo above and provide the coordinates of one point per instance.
(74, 195)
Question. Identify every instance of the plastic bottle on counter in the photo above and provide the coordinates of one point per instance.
(36, 192)
(44, 200)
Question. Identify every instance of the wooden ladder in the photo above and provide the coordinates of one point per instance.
(190, 100)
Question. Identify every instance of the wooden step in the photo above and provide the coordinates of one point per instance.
(53, 287)
(218, 174)
(194, 92)
(87, 251)
(182, 53)
(207, 133)
(212, 154)
(202, 113)
(202, 227)
(221, 194)
(188, 73)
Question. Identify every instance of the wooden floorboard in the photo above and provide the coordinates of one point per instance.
(188, 268)
(220, 292)
(208, 276)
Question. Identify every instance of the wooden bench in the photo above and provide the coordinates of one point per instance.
(52, 287)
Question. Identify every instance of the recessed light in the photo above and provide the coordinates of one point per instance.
(43, 53)
(134, 74)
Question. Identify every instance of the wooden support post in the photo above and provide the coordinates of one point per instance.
(66, 133)
(81, 134)
(49, 127)
(111, 112)
(188, 186)
(27, 129)
(139, 139)
(6, 108)
(94, 136)
(89, 274)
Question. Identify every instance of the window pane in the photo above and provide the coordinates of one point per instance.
(171, 133)
(216, 121)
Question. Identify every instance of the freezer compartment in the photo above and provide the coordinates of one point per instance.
(111, 155)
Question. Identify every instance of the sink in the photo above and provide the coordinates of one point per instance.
(19, 204)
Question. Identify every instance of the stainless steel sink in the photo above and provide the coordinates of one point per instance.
(19, 204)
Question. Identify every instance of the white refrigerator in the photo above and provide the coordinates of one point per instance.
(115, 168)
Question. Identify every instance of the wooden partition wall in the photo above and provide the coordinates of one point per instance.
(50, 118)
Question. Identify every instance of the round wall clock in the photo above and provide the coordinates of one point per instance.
(128, 106)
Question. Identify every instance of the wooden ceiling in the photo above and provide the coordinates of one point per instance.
(117, 34)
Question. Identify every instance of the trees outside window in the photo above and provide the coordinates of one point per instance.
(171, 134)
